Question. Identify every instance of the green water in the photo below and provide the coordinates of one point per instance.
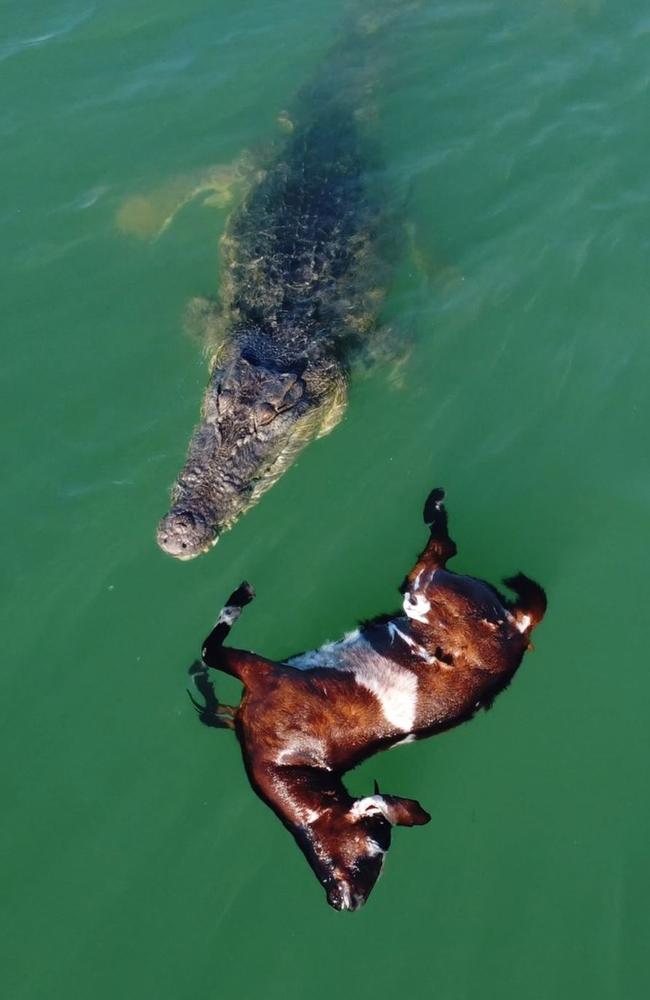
(137, 861)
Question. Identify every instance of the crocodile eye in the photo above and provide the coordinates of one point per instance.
(265, 413)
(284, 391)
(293, 393)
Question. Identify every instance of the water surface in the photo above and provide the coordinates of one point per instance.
(137, 860)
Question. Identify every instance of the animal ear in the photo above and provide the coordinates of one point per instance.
(403, 812)
(398, 812)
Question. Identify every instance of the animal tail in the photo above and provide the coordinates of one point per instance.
(368, 18)
(530, 606)
(350, 70)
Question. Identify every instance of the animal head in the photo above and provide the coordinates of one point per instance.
(347, 843)
(254, 420)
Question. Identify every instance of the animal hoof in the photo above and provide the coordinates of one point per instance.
(242, 596)
(433, 504)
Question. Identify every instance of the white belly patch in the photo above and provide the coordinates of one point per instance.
(394, 687)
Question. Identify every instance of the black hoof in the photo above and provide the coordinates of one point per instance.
(242, 596)
(433, 505)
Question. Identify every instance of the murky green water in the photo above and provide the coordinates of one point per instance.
(137, 860)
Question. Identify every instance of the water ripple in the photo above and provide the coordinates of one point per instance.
(15, 46)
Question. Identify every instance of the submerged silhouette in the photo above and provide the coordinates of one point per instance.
(298, 300)
(305, 721)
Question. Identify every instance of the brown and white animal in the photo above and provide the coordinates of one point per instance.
(304, 722)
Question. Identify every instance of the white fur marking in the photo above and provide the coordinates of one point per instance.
(308, 751)
(371, 805)
(400, 743)
(396, 690)
(346, 900)
(228, 615)
(321, 657)
(373, 848)
(416, 606)
(523, 623)
(411, 643)
(395, 687)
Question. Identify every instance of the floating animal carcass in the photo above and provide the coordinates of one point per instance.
(304, 722)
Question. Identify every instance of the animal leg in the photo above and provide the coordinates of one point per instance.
(148, 216)
(385, 346)
(213, 645)
(212, 712)
(430, 264)
(237, 662)
(440, 547)
(204, 321)
(530, 606)
(214, 654)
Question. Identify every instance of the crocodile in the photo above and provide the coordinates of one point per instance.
(296, 301)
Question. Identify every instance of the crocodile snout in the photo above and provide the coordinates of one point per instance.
(185, 534)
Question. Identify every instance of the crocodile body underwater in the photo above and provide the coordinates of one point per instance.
(296, 301)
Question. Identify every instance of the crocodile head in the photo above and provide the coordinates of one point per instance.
(254, 422)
